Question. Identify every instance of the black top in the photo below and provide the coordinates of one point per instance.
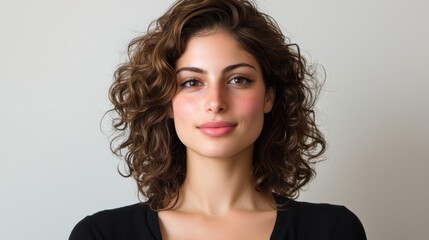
(295, 221)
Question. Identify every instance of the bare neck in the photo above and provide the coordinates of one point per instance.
(218, 186)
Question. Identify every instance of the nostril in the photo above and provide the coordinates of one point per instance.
(217, 107)
(215, 98)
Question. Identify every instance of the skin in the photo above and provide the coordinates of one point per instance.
(218, 111)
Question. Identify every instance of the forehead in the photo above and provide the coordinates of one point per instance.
(214, 46)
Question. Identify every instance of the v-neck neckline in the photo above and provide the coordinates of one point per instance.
(281, 224)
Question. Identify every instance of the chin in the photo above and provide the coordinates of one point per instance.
(217, 151)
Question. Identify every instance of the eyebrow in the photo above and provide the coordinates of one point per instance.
(225, 70)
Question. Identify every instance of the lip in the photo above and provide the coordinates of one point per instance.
(217, 128)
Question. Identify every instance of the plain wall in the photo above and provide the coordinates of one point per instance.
(57, 58)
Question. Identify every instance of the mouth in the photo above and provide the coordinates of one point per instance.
(217, 129)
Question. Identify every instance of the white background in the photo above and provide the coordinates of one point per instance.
(57, 58)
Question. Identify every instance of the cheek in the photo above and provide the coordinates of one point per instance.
(252, 116)
(253, 105)
(182, 107)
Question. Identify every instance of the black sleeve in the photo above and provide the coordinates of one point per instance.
(130, 222)
(85, 230)
(348, 227)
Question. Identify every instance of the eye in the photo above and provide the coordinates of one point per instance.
(191, 83)
(240, 80)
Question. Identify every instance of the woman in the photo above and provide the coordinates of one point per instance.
(216, 114)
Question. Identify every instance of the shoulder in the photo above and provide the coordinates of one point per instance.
(320, 219)
(120, 223)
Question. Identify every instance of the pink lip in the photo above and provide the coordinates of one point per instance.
(217, 129)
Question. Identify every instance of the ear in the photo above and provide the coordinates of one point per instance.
(269, 100)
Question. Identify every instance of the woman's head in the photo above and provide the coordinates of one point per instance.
(219, 105)
(145, 86)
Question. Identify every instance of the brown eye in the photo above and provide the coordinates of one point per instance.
(239, 80)
(190, 83)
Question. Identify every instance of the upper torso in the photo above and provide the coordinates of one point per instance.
(235, 225)
(294, 221)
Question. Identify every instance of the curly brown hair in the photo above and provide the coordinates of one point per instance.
(145, 85)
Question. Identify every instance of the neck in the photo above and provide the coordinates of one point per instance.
(216, 186)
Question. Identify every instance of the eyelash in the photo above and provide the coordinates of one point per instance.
(188, 81)
(196, 82)
(241, 77)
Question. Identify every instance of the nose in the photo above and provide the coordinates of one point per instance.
(216, 102)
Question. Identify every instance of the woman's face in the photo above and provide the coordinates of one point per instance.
(219, 106)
